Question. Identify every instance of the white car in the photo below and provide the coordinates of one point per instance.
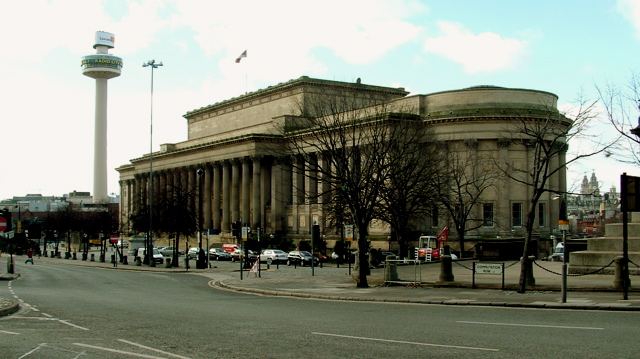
(276, 256)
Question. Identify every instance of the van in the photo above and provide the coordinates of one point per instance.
(230, 247)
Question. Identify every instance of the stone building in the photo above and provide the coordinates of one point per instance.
(231, 142)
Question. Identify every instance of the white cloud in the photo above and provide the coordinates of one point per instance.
(630, 9)
(484, 52)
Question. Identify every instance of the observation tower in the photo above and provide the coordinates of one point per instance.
(101, 67)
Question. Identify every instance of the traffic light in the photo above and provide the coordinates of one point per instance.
(236, 227)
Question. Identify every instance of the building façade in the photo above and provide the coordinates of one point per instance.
(228, 158)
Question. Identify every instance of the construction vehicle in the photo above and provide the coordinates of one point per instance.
(428, 248)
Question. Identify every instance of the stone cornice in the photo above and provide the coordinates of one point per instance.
(280, 88)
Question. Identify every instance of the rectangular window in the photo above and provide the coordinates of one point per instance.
(516, 214)
(542, 215)
(487, 215)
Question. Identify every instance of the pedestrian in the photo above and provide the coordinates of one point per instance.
(30, 255)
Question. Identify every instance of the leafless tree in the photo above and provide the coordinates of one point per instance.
(545, 135)
(622, 106)
(462, 182)
(361, 145)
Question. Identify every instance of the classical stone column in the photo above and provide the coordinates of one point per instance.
(192, 187)
(235, 191)
(162, 187)
(206, 199)
(255, 198)
(245, 196)
(311, 180)
(226, 196)
(280, 192)
(217, 183)
(503, 205)
(265, 193)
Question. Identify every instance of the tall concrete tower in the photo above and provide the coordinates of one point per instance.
(101, 67)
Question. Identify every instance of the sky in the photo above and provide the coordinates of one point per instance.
(567, 47)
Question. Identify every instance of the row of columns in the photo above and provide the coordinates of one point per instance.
(246, 189)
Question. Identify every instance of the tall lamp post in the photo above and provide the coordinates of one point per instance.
(152, 263)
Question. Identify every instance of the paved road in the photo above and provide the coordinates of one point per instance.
(71, 310)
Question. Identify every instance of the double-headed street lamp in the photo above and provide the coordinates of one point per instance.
(149, 255)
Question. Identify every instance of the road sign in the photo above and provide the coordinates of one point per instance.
(114, 238)
(3, 224)
(348, 232)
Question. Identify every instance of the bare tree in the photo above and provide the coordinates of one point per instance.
(410, 193)
(621, 109)
(462, 182)
(358, 142)
(545, 135)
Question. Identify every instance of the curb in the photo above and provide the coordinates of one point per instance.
(458, 302)
(8, 310)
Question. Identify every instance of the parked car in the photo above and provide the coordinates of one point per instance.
(219, 254)
(276, 256)
(193, 253)
(140, 252)
(558, 253)
(168, 251)
(385, 254)
(301, 258)
(239, 253)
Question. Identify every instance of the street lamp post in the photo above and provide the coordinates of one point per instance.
(152, 263)
(200, 262)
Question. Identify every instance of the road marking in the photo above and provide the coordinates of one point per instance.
(33, 350)
(117, 351)
(153, 349)
(405, 342)
(72, 325)
(530, 325)
(6, 332)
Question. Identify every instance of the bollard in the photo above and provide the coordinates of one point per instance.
(53, 254)
(124, 260)
(93, 257)
(102, 259)
(531, 280)
(67, 255)
(75, 256)
(167, 262)
(10, 265)
(45, 253)
(446, 270)
(618, 280)
(84, 256)
(113, 258)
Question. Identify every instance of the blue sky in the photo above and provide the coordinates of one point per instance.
(47, 108)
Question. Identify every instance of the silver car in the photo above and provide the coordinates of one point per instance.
(275, 255)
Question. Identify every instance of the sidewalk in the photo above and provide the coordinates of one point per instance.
(416, 284)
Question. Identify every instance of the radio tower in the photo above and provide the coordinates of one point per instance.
(101, 67)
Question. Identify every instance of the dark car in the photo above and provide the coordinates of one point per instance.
(219, 254)
(301, 258)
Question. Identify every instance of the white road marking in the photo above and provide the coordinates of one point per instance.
(153, 349)
(33, 350)
(117, 351)
(72, 325)
(6, 332)
(530, 325)
(405, 342)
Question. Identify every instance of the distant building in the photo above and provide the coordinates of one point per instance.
(589, 210)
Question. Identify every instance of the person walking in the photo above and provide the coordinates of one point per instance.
(30, 255)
